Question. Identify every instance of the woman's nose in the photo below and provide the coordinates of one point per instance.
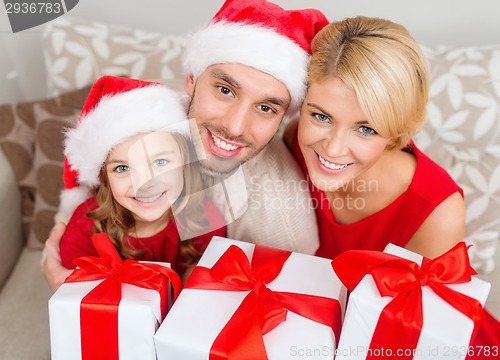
(336, 143)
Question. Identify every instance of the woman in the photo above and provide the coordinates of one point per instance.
(367, 97)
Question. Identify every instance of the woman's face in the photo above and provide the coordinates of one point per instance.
(145, 174)
(337, 141)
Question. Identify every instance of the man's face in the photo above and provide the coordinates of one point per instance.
(237, 110)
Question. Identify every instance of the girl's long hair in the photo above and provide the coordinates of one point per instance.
(112, 218)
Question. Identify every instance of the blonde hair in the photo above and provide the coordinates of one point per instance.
(381, 62)
(118, 222)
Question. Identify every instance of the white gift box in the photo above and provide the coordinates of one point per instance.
(139, 316)
(198, 316)
(445, 334)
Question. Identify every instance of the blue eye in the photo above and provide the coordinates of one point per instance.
(121, 168)
(365, 130)
(321, 118)
(160, 162)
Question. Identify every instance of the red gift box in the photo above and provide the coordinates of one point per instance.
(405, 306)
(245, 301)
(110, 308)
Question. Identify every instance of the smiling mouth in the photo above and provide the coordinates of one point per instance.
(330, 165)
(149, 199)
(221, 144)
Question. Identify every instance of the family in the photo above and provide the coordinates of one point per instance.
(356, 92)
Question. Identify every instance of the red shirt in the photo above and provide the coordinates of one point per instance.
(396, 223)
(163, 246)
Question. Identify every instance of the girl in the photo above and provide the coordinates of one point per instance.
(130, 152)
(367, 96)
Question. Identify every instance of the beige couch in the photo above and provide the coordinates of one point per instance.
(463, 134)
(24, 330)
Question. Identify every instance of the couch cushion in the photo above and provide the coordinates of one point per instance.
(31, 138)
(77, 52)
(463, 135)
(17, 135)
(52, 116)
(24, 329)
(11, 240)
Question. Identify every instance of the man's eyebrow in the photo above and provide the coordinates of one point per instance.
(278, 102)
(220, 74)
(217, 73)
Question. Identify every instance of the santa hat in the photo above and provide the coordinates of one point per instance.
(115, 110)
(262, 35)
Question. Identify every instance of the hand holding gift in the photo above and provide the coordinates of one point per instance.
(108, 306)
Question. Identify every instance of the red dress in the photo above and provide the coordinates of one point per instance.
(395, 224)
(163, 246)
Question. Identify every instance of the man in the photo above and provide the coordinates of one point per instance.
(246, 70)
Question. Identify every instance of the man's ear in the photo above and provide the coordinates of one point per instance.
(189, 82)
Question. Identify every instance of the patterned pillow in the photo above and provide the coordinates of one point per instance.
(78, 52)
(17, 134)
(31, 138)
(462, 134)
(52, 116)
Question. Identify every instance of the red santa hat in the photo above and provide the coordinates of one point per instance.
(115, 110)
(262, 35)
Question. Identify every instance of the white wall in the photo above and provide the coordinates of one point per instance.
(450, 22)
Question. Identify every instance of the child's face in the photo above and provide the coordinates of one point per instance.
(146, 175)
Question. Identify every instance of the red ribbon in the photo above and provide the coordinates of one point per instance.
(262, 309)
(99, 308)
(400, 323)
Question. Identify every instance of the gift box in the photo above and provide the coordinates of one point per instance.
(405, 306)
(109, 308)
(245, 301)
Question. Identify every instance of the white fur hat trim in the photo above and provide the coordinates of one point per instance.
(252, 45)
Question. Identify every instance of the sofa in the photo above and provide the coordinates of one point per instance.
(462, 134)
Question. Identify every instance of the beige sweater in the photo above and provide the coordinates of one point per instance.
(267, 202)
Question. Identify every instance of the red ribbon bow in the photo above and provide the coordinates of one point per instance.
(99, 308)
(400, 322)
(262, 309)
